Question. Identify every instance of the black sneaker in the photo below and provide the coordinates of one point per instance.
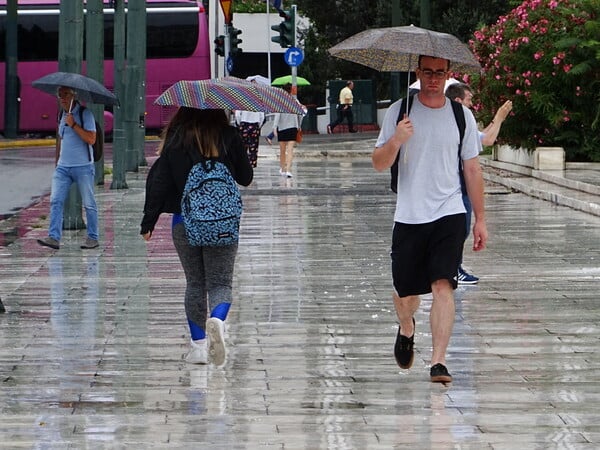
(403, 350)
(439, 374)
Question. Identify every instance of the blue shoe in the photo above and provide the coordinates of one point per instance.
(465, 277)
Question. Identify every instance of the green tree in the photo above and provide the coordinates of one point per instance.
(332, 22)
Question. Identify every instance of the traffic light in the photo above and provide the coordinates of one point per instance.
(220, 45)
(286, 29)
(234, 41)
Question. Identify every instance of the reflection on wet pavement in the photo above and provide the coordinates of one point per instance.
(92, 343)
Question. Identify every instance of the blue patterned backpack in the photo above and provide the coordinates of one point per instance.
(211, 205)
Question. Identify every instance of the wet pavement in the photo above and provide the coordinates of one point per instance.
(92, 342)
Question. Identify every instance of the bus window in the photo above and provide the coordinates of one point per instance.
(178, 48)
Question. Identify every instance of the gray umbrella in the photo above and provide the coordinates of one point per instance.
(88, 89)
(396, 49)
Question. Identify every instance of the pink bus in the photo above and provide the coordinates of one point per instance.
(178, 48)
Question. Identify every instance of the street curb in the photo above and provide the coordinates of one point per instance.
(49, 142)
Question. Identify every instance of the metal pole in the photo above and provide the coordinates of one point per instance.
(70, 55)
(395, 76)
(268, 42)
(118, 180)
(227, 49)
(135, 92)
(94, 58)
(294, 68)
(11, 98)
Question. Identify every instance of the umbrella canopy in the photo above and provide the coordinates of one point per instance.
(229, 93)
(396, 49)
(88, 89)
(259, 79)
(287, 79)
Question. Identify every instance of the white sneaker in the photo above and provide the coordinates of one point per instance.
(289, 174)
(281, 172)
(198, 353)
(216, 340)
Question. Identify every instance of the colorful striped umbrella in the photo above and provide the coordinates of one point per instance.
(229, 93)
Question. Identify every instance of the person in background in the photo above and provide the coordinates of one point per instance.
(462, 93)
(429, 220)
(286, 129)
(75, 165)
(344, 108)
(193, 135)
(249, 123)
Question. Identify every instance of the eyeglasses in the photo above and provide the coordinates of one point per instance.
(438, 74)
(64, 94)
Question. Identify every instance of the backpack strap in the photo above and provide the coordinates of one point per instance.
(459, 116)
(394, 168)
(81, 108)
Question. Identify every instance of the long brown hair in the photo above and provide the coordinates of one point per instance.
(192, 128)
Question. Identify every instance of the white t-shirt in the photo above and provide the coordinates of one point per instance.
(428, 171)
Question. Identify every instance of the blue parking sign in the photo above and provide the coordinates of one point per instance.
(293, 56)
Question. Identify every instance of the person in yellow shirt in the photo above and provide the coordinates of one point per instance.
(344, 109)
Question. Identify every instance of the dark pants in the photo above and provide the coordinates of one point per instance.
(344, 112)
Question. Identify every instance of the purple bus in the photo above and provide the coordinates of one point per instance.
(177, 48)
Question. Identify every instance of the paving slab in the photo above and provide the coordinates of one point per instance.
(92, 343)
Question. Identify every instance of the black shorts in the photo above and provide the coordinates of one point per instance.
(289, 134)
(427, 252)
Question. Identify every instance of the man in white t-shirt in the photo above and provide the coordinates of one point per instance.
(429, 221)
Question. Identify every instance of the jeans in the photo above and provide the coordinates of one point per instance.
(62, 180)
(469, 208)
(341, 114)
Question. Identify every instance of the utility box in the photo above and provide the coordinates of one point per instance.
(365, 103)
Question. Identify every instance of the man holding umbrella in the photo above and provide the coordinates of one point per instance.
(75, 164)
(429, 221)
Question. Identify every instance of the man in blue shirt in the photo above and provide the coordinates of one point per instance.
(75, 165)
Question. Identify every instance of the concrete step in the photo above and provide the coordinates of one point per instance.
(554, 186)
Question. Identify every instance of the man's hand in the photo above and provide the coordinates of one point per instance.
(404, 130)
(480, 236)
(69, 119)
(503, 111)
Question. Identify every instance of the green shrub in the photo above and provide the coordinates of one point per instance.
(544, 55)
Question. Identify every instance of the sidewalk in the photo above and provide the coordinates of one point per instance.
(92, 343)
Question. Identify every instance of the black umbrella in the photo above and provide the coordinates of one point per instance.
(88, 89)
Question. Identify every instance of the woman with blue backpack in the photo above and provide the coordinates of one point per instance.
(201, 159)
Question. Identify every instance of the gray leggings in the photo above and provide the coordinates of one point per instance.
(208, 275)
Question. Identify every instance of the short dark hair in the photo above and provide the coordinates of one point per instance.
(429, 56)
(349, 82)
(457, 90)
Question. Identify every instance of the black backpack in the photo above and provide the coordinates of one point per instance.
(98, 146)
(459, 116)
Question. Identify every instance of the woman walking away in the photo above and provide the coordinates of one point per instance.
(249, 123)
(191, 136)
(286, 129)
